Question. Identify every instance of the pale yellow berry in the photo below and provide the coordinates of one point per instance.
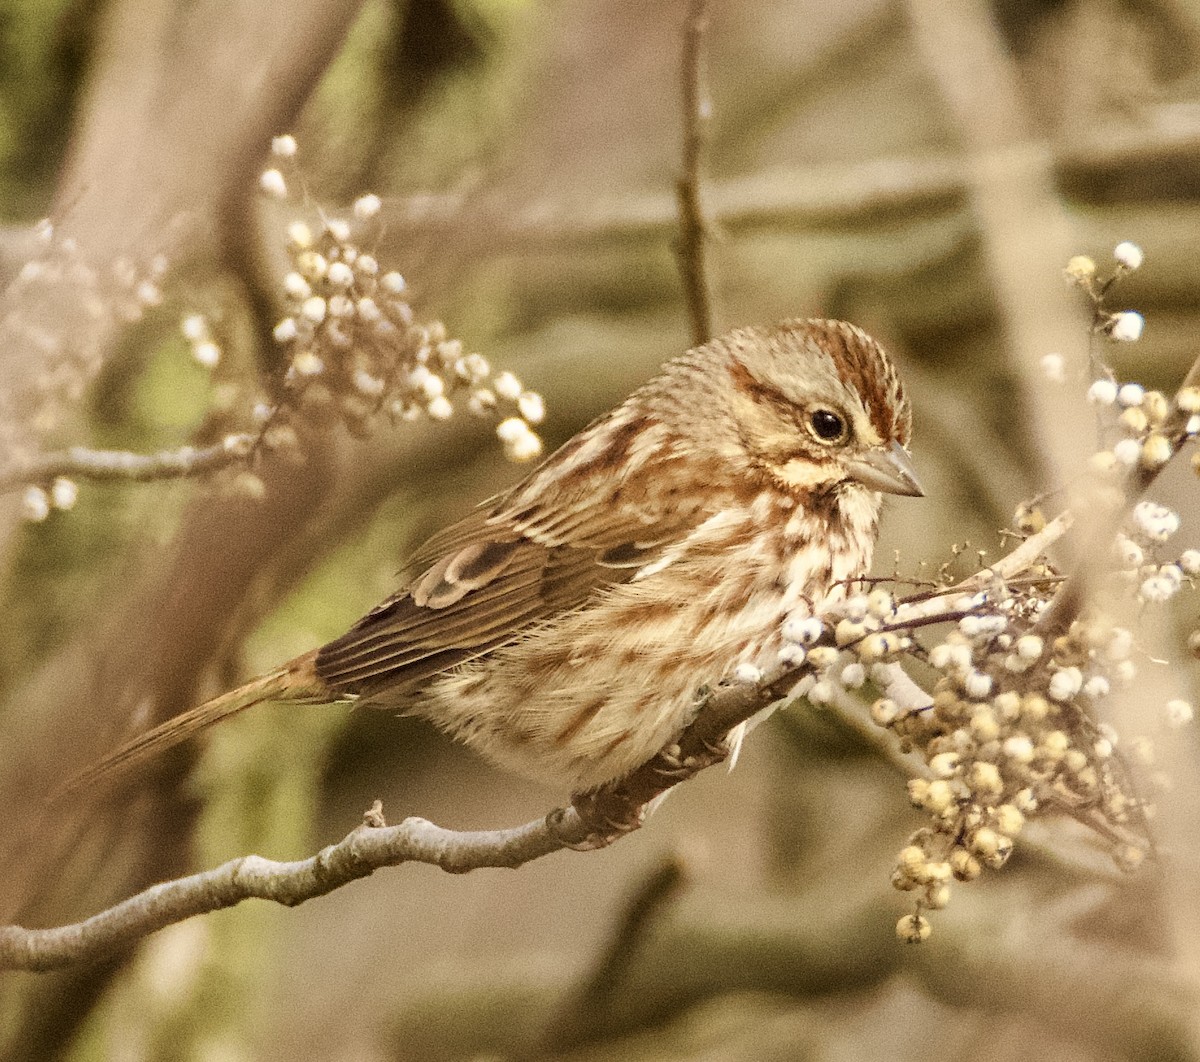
(1080, 268)
(913, 929)
(1008, 819)
(964, 865)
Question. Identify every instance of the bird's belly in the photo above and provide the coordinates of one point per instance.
(589, 697)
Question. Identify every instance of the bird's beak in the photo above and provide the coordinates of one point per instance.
(889, 469)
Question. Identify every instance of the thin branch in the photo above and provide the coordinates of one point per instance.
(79, 462)
(694, 225)
(361, 852)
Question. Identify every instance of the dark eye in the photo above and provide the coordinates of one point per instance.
(827, 425)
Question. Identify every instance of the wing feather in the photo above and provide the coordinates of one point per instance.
(546, 546)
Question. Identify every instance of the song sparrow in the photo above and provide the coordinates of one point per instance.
(563, 629)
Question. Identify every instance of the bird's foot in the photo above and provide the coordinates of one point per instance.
(601, 817)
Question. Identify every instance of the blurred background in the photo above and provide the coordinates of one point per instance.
(922, 168)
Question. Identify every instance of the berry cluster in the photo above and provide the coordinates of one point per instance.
(1010, 728)
(352, 344)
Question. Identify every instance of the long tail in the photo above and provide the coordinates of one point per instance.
(295, 681)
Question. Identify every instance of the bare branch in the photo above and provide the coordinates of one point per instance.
(360, 853)
(694, 226)
(108, 465)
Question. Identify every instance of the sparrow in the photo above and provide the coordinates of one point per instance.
(564, 628)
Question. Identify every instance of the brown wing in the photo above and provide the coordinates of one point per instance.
(540, 549)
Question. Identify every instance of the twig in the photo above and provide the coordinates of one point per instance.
(1005, 569)
(364, 850)
(81, 463)
(694, 226)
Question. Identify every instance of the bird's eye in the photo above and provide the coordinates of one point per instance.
(827, 425)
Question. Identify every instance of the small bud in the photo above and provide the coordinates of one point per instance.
(440, 408)
(853, 676)
(1018, 748)
(747, 675)
(194, 328)
(977, 685)
(367, 206)
(1009, 820)
(880, 603)
(299, 235)
(306, 363)
(1030, 647)
(944, 765)
(822, 692)
(1134, 420)
(296, 286)
(314, 309)
(526, 448)
(964, 866)
(340, 274)
(1029, 519)
(238, 445)
(884, 712)
(1128, 857)
(284, 147)
(507, 386)
(985, 842)
(1127, 326)
(1127, 452)
(511, 429)
(1054, 368)
(913, 929)
(1130, 395)
(207, 354)
(1080, 269)
(393, 283)
(272, 182)
(367, 384)
(1102, 392)
(1188, 400)
(1128, 255)
(940, 796)
(1064, 684)
(64, 493)
(531, 407)
(35, 505)
(1179, 713)
(1156, 451)
(984, 779)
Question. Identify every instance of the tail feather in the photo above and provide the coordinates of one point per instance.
(295, 681)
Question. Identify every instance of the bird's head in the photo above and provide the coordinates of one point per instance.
(815, 404)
